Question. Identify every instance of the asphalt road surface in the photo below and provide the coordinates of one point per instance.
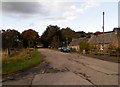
(71, 69)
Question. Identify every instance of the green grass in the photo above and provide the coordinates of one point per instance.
(21, 62)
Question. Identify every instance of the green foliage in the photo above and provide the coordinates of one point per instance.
(118, 49)
(19, 62)
(113, 53)
(67, 35)
(10, 39)
(55, 42)
(84, 46)
(13, 39)
(81, 34)
(30, 38)
(55, 37)
(51, 36)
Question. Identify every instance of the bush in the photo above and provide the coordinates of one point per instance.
(118, 51)
(99, 53)
(84, 46)
(113, 53)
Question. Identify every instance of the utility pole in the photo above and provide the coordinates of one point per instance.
(103, 29)
(103, 21)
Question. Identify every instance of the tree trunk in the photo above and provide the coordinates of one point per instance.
(8, 51)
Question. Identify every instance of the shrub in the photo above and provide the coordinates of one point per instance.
(84, 46)
(118, 51)
(113, 53)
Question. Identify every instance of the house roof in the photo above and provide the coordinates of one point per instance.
(110, 37)
(77, 41)
(103, 38)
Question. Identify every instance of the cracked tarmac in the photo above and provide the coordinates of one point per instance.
(67, 69)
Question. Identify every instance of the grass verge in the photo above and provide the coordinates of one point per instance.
(21, 61)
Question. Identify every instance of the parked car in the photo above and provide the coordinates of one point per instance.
(64, 49)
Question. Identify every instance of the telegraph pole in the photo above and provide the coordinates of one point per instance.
(103, 22)
(103, 29)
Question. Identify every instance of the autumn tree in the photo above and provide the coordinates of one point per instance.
(67, 35)
(81, 34)
(10, 39)
(30, 38)
(51, 36)
(55, 43)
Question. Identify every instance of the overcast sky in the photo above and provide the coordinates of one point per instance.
(119, 14)
(79, 15)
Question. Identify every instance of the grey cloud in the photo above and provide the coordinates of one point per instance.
(24, 8)
(20, 0)
(54, 18)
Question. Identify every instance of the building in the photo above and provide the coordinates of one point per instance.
(107, 40)
(103, 41)
(74, 44)
(118, 33)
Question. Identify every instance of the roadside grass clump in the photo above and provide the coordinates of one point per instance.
(21, 61)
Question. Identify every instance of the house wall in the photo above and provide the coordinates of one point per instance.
(110, 39)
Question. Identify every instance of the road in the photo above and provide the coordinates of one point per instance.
(72, 69)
